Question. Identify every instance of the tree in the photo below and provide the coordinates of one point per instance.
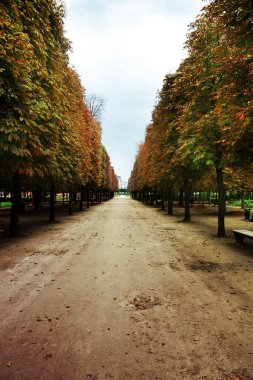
(96, 105)
(204, 122)
(164, 118)
(218, 112)
(32, 41)
(49, 137)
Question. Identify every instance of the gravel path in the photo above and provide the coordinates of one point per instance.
(122, 291)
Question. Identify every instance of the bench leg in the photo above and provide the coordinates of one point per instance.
(239, 238)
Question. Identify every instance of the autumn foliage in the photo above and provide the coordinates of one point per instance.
(48, 134)
(201, 130)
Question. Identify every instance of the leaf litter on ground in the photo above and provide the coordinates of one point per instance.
(141, 302)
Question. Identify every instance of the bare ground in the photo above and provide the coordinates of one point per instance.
(122, 291)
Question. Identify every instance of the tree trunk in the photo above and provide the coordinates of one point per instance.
(181, 197)
(87, 197)
(70, 210)
(170, 201)
(187, 209)
(81, 198)
(74, 197)
(92, 197)
(37, 198)
(242, 199)
(203, 199)
(155, 198)
(52, 203)
(16, 201)
(221, 202)
(143, 196)
(209, 196)
(162, 199)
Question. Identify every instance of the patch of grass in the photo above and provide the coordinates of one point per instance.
(237, 203)
(5, 204)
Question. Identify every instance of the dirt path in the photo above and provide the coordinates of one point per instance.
(123, 291)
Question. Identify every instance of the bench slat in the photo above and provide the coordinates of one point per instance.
(241, 234)
(244, 232)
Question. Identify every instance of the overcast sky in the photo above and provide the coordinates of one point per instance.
(122, 49)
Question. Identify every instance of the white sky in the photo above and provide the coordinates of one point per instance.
(122, 49)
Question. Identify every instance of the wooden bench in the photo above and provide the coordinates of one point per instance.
(241, 234)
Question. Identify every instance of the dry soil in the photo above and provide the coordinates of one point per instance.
(123, 291)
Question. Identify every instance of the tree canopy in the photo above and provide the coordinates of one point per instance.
(202, 122)
(47, 128)
(48, 131)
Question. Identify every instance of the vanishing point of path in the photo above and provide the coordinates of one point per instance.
(123, 291)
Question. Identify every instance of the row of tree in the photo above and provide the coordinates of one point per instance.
(49, 136)
(201, 132)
